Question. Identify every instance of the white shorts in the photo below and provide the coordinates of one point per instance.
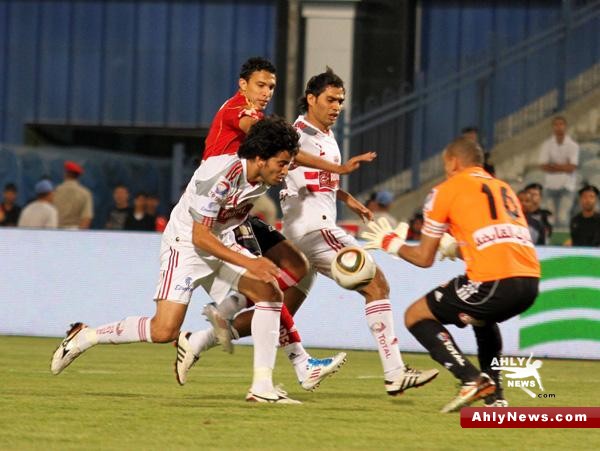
(320, 247)
(183, 269)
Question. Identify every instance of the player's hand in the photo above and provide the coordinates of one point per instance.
(448, 247)
(384, 237)
(354, 163)
(263, 269)
(357, 207)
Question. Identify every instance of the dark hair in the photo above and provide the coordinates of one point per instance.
(256, 64)
(534, 186)
(120, 185)
(588, 187)
(140, 194)
(469, 129)
(268, 137)
(317, 84)
(559, 118)
(10, 187)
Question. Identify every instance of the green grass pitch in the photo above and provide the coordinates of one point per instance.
(126, 398)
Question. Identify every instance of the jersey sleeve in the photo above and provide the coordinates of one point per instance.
(436, 212)
(210, 195)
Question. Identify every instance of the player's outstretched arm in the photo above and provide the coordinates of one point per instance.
(309, 160)
(353, 204)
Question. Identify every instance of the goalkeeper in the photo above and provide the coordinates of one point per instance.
(502, 270)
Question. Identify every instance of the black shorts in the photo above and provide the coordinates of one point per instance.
(260, 238)
(462, 301)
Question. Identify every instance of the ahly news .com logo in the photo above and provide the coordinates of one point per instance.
(519, 372)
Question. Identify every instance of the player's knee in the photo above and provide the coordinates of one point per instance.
(162, 333)
(416, 312)
(269, 292)
(285, 255)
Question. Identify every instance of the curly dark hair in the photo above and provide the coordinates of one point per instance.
(256, 64)
(268, 137)
(319, 83)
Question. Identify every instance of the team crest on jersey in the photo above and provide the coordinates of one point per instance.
(220, 189)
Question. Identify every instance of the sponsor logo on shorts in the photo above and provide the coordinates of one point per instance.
(469, 320)
(188, 285)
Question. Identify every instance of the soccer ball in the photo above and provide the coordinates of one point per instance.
(353, 268)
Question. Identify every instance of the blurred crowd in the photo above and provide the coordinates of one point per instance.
(70, 204)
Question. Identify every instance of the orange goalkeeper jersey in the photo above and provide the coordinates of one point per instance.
(485, 217)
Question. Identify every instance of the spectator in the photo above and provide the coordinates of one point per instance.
(472, 134)
(117, 216)
(585, 226)
(9, 210)
(414, 227)
(541, 215)
(371, 203)
(41, 212)
(384, 200)
(265, 209)
(73, 201)
(536, 228)
(138, 219)
(559, 158)
(152, 203)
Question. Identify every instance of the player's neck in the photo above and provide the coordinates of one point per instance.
(316, 124)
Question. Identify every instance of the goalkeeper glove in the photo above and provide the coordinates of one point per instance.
(384, 237)
(448, 247)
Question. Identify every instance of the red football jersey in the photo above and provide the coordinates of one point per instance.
(225, 135)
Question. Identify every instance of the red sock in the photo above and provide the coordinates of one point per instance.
(287, 328)
(286, 279)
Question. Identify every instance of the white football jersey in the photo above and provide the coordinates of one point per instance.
(308, 200)
(219, 196)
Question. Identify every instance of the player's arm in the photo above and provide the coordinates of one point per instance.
(246, 123)
(422, 254)
(204, 239)
(559, 167)
(353, 204)
(309, 160)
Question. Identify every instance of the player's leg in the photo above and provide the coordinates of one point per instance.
(398, 377)
(425, 318)
(265, 336)
(489, 346)
(171, 307)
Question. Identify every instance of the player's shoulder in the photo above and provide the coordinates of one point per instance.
(304, 128)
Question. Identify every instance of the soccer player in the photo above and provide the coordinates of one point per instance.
(502, 275)
(234, 119)
(198, 248)
(309, 221)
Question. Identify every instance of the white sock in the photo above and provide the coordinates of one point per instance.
(202, 340)
(231, 305)
(299, 358)
(265, 335)
(380, 320)
(129, 330)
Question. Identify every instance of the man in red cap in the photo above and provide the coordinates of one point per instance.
(73, 201)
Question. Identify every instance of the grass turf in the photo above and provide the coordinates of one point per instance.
(126, 397)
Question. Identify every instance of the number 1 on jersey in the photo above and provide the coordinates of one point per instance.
(510, 206)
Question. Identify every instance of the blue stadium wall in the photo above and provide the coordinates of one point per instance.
(457, 34)
(136, 63)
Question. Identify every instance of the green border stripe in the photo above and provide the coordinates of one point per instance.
(565, 298)
(583, 266)
(562, 330)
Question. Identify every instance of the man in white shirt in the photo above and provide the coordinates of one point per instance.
(559, 158)
(309, 221)
(40, 213)
(198, 247)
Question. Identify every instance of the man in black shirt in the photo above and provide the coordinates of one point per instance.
(138, 219)
(117, 216)
(536, 228)
(585, 226)
(9, 210)
(541, 215)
